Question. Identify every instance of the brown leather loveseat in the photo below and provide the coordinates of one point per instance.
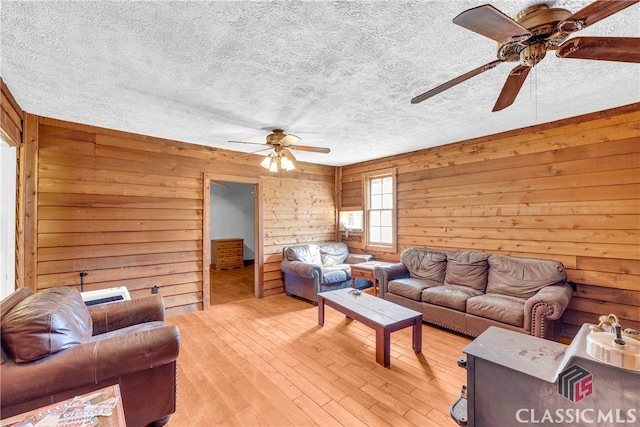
(55, 348)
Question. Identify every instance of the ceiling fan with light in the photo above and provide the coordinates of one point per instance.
(281, 145)
(536, 30)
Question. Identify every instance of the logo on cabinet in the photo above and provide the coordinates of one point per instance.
(575, 383)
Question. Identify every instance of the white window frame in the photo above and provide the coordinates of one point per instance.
(367, 178)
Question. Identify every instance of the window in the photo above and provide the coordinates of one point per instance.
(381, 209)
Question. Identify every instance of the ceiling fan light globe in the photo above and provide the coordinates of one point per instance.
(266, 162)
(286, 164)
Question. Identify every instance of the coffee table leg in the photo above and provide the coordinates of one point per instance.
(383, 347)
(417, 335)
(320, 311)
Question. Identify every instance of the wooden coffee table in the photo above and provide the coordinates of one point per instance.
(381, 315)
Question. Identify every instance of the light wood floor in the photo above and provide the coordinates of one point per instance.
(266, 362)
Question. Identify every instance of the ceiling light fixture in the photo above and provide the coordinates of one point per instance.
(279, 158)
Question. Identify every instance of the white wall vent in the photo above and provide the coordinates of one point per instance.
(105, 296)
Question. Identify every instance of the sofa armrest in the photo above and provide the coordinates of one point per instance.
(302, 269)
(384, 274)
(358, 258)
(109, 317)
(89, 363)
(548, 303)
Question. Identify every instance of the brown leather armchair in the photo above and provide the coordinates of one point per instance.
(55, 348)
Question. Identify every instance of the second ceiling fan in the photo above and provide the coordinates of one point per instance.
(537, 29)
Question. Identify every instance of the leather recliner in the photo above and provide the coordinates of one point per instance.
(55, 348)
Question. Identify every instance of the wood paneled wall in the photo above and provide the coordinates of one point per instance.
(10, 116)
(132, 210)
(567, 190)
(11, 122)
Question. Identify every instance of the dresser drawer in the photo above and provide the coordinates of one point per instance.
(229, 244)
(227, 254)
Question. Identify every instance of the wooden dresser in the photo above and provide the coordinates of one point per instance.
(226, 254)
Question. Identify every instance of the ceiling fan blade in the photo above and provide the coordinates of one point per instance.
(620, 49)
(260, 151)
(490, 22)
(287, 140)
(309, 148)
(593, 13)
(288, 154)
(453, 82)
(512, 86)
(246, 142)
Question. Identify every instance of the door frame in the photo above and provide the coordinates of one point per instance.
(258, 265)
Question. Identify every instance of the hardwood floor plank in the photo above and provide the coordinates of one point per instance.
(343, 416)
(363, 413)
(390, 416)
(267, 362)
(355, 392)
(307, 387)
(316, 412)
(390, 401)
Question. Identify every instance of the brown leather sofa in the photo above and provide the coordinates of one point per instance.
(309, 269)
(469, 291)
(55, 348)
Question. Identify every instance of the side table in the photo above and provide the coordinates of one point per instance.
(364, 270)
(101, 408)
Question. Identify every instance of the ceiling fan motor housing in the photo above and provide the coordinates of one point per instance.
(542, 22)
(275, 137)
(532, 54)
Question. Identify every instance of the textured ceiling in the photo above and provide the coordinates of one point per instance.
(337, 74)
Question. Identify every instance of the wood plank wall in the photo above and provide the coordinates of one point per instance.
(10, 116)
(130, 210)
(11, 123)
(567, 190)
(295, 212)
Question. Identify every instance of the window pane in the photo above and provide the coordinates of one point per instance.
(374, 234)
(376, 202)
(376, 186)
(386, 235)
(386, 185)
(374, 218)
(386, 219)
(387, 201)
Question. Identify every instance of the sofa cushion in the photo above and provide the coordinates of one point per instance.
(501, 308)
(425, 264)
(333, 253)
(336, 274)
(467, 268)
(305, 253)
(45, 323)
(522, 277)
(452, 296)
(409, 287)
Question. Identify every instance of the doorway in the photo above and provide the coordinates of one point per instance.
(232, 217)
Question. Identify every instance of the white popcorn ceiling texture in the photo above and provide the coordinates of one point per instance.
(339, 74)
